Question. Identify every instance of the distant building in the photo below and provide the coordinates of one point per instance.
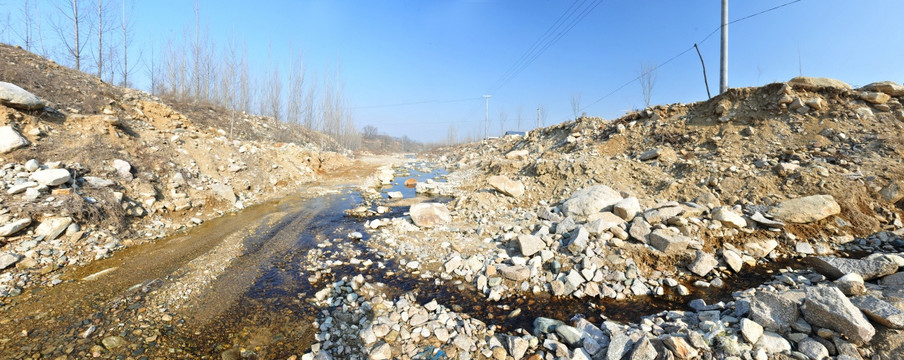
(515, 133)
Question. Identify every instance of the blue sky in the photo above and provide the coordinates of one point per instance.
(393, 52)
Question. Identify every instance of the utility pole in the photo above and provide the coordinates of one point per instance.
(723, 69)
(486, 124)
(538, 117)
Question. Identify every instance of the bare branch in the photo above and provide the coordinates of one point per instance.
(647, 81)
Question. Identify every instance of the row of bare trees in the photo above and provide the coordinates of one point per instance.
(95, 36)
(89, 35)
(199, 71)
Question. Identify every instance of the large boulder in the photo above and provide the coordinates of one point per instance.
(806, 209)
(806, 82)
(506, 186)
(828, 307)
(16, 97)
(835, 267)
(51, 177)
(10, 139)
(874, 97)
(429, 214)
(888, 87)
(590, 200)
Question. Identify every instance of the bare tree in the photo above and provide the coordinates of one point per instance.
(274, 94)
(295, 96)
(228, 80)
(177, 84)
(39, 18)
(4, 26)
(369, 131)
(72, 40)
(245, 87)
(153, 71)
(647, 81)
(309, 112)
(103, 26)
(576, 104)
(519, 115)
(451, 135)
(196, 52)
(112, 53)
(127, 37)
(26, 33)
(543, 115)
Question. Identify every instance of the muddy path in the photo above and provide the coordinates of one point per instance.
(152, 299)
(241, 286)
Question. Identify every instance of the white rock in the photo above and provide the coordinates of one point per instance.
(773, 343)
(806, 209)
(627, 208)
(10, 139)
(224, 192)
(32, 165)
(16, 97)
(703, 263)
(590, 200)
(429, 214)
(98, 182)
(728, 218)
(51, 177)
(14, 227)
(123, 168)
(733, 259)
(506, 186)
(52, 227)
(15, 189)
(530, 244)
(751, 330)
(8, 259)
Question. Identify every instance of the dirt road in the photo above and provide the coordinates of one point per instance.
(197, 294)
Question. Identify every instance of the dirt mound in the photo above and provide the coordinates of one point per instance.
(748, 146)
(75, 92)
(115, 166)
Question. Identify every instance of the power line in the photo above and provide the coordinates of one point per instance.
(537, 42)
(688, 50)
(540, 46)
(417, 103)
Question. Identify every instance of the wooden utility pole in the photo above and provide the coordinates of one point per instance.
(538, 117)
(705, 82)
(723, 69)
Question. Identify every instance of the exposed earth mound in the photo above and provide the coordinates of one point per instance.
(680, 202)
(88, 168)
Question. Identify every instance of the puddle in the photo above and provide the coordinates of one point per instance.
(420, 172)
